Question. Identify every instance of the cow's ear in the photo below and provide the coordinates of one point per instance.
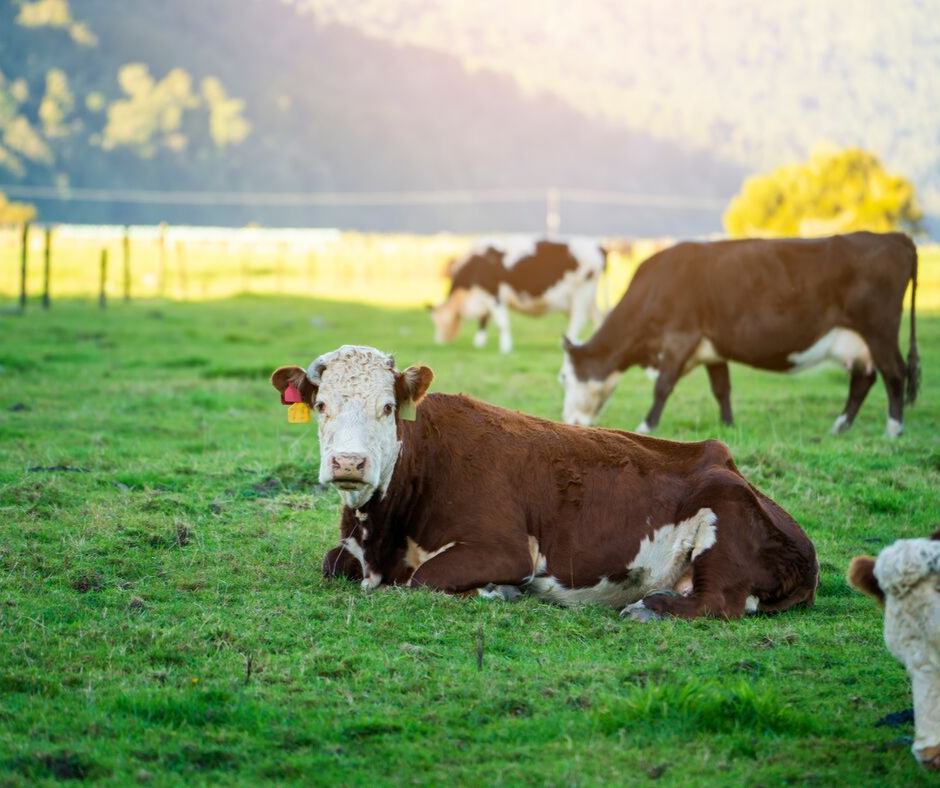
(412, 384)
(568, 346)
(862, 576)
(296, 377)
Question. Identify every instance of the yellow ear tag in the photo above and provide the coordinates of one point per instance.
(298, 413)
(407, 411)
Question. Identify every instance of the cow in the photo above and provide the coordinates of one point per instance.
(471, 499)
(906, 580)
(530, 275)
(774, 304)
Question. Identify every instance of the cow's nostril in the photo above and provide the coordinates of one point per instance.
(361, 466)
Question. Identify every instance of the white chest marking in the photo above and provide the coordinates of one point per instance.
(841, 345)
(661, 563)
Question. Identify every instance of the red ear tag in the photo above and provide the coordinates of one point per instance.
(290, 395)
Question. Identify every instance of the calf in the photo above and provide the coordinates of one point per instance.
(526, 274)
(781, 305)
(906, 579)
(471, 498)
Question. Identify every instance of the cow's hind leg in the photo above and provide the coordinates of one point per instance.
(720, 380)
(760, 561)
(890, 363)
(859, 386)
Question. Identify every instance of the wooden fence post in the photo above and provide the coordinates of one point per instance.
(181, 262)
(102, 295)
(46, 269)
(161, 270)
(24, 254)
(127, 263)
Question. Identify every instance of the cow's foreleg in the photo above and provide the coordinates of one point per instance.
(720, 379)
(465, 568)
(665, 382)
(339, 562)
(677, 348)
(479, 339)
(859, 386)
(500, 315)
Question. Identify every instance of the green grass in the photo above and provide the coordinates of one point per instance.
(185, 544)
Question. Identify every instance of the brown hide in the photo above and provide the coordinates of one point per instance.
(488, 479)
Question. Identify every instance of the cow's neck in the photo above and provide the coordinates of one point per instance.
(380, 525)
(621, 340)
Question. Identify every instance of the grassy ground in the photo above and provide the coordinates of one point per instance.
(162, 616)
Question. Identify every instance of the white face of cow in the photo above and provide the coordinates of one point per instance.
(446, 317)
(356, 393)
(908, 573)
(584, 399)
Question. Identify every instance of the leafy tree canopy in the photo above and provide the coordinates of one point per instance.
(836, 191)
(15, 212)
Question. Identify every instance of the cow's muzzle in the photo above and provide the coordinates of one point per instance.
(348, 471)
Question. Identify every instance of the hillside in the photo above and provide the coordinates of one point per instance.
(264, 96)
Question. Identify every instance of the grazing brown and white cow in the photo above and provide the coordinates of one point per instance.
(780, 305)
(468, 497)
(906, 579)
(530, 275)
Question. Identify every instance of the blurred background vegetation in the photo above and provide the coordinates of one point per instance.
(319, 95)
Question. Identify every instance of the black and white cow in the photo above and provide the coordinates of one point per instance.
(530, 275)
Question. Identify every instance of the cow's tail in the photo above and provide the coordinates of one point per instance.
(605, 274)
(912, 371)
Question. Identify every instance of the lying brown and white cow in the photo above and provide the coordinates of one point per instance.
(529, 275)
(906, 579)
(782, 305)
(469, 497)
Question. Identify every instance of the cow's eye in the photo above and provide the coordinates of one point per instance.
(320, 406)
(387, 410)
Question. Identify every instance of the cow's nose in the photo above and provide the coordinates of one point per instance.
(929, 757)
(349, 467)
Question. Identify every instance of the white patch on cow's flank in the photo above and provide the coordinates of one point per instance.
(841, 345)
(704, 353)
(662, 563)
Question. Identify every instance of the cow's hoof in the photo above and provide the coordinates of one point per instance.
(640, 613)
(502, 593)
(841, 424)
(479, 340)
(894, 429)
(643, 428)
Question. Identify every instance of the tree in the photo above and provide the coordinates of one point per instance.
(15, 212)
(836, 191)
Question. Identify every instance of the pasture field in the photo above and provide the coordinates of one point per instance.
(163, 618)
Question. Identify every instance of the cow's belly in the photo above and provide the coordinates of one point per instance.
(523, 302)
(662, 563)
(840, 345)
(477, 303)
